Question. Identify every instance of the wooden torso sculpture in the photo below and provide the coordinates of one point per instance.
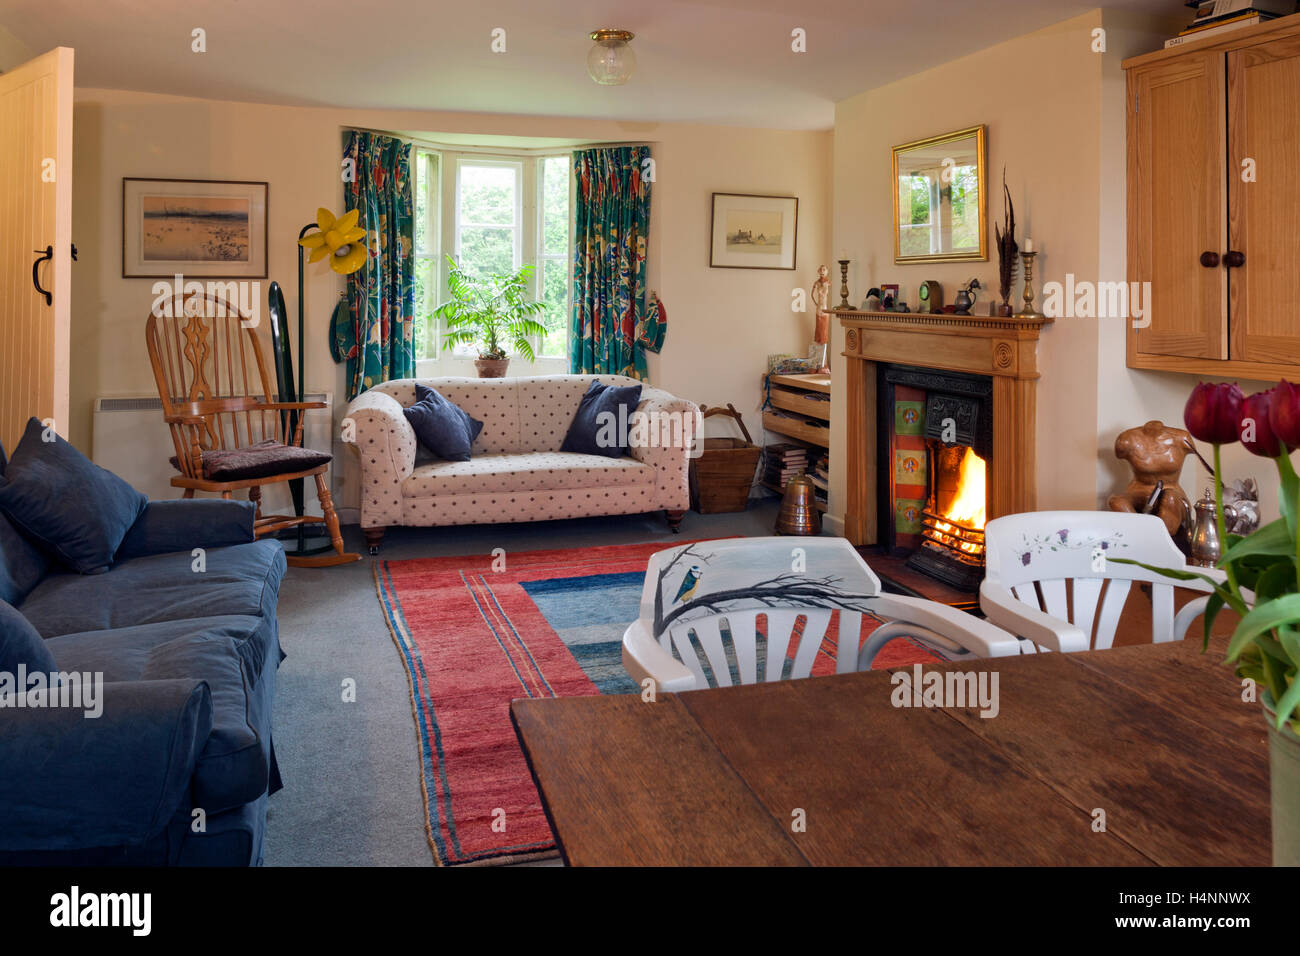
(1155, 452)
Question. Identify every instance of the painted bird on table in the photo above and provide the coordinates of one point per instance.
(689, 584)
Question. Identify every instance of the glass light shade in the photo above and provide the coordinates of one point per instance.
(611, 62)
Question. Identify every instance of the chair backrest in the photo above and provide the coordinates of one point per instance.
(207, 363)
(1060, 563)
(775, 600)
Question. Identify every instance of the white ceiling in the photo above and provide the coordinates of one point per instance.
(718, 61)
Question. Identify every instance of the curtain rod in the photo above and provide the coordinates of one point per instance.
(522, 150)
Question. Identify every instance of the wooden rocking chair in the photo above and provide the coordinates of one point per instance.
(211, 377)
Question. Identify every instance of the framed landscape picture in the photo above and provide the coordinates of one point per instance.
(194, 227)
(753, 232)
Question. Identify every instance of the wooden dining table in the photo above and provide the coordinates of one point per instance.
(1130, 756)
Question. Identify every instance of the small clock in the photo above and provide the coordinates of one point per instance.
(931, 295)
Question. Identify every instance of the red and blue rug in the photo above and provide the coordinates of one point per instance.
(477, 632)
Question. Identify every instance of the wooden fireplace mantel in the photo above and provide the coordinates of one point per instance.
(1005, 349)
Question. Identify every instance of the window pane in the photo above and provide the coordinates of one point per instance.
(555, 205)
(487, 249)
(487, 194)
(426, 299)
(423, 225)
(555, 293)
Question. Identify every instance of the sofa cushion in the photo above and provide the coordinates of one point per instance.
(263, 459)
(122, 653)
(230, 654)
(61, 499)
(243, 579)
(22, 564)
(534, 471)
(21, 644)
(600, 425)
(441, 426)
(493, 401)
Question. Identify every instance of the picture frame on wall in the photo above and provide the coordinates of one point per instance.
(193, 227)
(753, 232)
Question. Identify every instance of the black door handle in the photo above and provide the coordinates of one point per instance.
(1234, 259)
(36, 279)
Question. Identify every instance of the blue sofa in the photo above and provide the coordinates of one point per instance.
(188, 648)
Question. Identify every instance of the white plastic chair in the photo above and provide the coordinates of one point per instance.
(811, 579)
(1030, 557)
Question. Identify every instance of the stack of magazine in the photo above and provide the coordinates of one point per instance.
(1219, 16)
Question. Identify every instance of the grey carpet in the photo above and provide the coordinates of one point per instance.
(351, 784)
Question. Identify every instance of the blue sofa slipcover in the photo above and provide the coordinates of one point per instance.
(187, 646)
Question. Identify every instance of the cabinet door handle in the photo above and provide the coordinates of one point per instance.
(1234, 259)
(1210, 260)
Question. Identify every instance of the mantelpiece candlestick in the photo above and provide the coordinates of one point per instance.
(844, 305)
(1028, 312)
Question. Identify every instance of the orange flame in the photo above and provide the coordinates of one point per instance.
(969, 504)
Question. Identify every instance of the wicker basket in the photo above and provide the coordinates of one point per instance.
(723, 475)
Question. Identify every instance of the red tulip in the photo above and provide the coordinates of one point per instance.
(1256, 432)
(1213, 413)
(1284, 414)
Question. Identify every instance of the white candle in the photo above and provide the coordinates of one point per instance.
(1028, 245)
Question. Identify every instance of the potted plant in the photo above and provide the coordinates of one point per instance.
(492, 311)
(1262, 585)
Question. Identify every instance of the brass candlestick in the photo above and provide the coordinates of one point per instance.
(844, 305)
(1029, 312)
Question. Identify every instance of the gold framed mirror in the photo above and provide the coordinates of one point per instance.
(940, 199)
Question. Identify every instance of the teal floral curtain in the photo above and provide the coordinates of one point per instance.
(380, 344)
(611, 226)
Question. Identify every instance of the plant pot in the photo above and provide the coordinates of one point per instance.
(492, 368)
(1284, 780)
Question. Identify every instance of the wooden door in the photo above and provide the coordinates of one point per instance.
(35, 214)
(1177, 204)
(1264, 214)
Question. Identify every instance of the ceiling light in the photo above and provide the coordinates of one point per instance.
(611, 61)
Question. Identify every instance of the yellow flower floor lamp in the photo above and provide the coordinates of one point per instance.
(339, 239)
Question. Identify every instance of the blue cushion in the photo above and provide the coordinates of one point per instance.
(235, 655)
(21, 644)
(601, 423)
(184, 524)
(63, 500)
(443, 428)
(243, 579)
(22, 564)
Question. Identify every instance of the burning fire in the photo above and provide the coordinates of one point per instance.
(967, 510)
(968, 507)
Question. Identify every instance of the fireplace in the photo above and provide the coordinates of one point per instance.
(999, 351)
(935, 430)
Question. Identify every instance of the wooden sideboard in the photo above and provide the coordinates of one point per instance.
(1005, 349)
(1214, 203)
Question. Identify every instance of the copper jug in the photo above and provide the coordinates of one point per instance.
(799, 514)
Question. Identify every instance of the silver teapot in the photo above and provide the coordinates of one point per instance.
(1205, 549)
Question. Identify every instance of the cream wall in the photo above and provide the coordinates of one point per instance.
(1039, 96)
(1055, 111)
(1128, 397)
(722, 322)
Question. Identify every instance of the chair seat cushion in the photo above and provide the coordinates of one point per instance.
(61, 499)
(242, 579)
(264, 459)
(532, 471)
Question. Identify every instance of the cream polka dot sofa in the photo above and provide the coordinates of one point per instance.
(517, 471)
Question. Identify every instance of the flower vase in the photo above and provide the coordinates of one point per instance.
(1284, 778)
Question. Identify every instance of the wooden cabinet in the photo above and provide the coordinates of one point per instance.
(1214, 204)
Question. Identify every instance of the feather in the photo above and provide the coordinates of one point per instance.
(1008, 250)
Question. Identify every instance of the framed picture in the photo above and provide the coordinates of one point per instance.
(753, 232)
(194, 227)
(888, 290)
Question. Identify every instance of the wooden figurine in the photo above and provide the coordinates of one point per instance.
(1156, 453)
